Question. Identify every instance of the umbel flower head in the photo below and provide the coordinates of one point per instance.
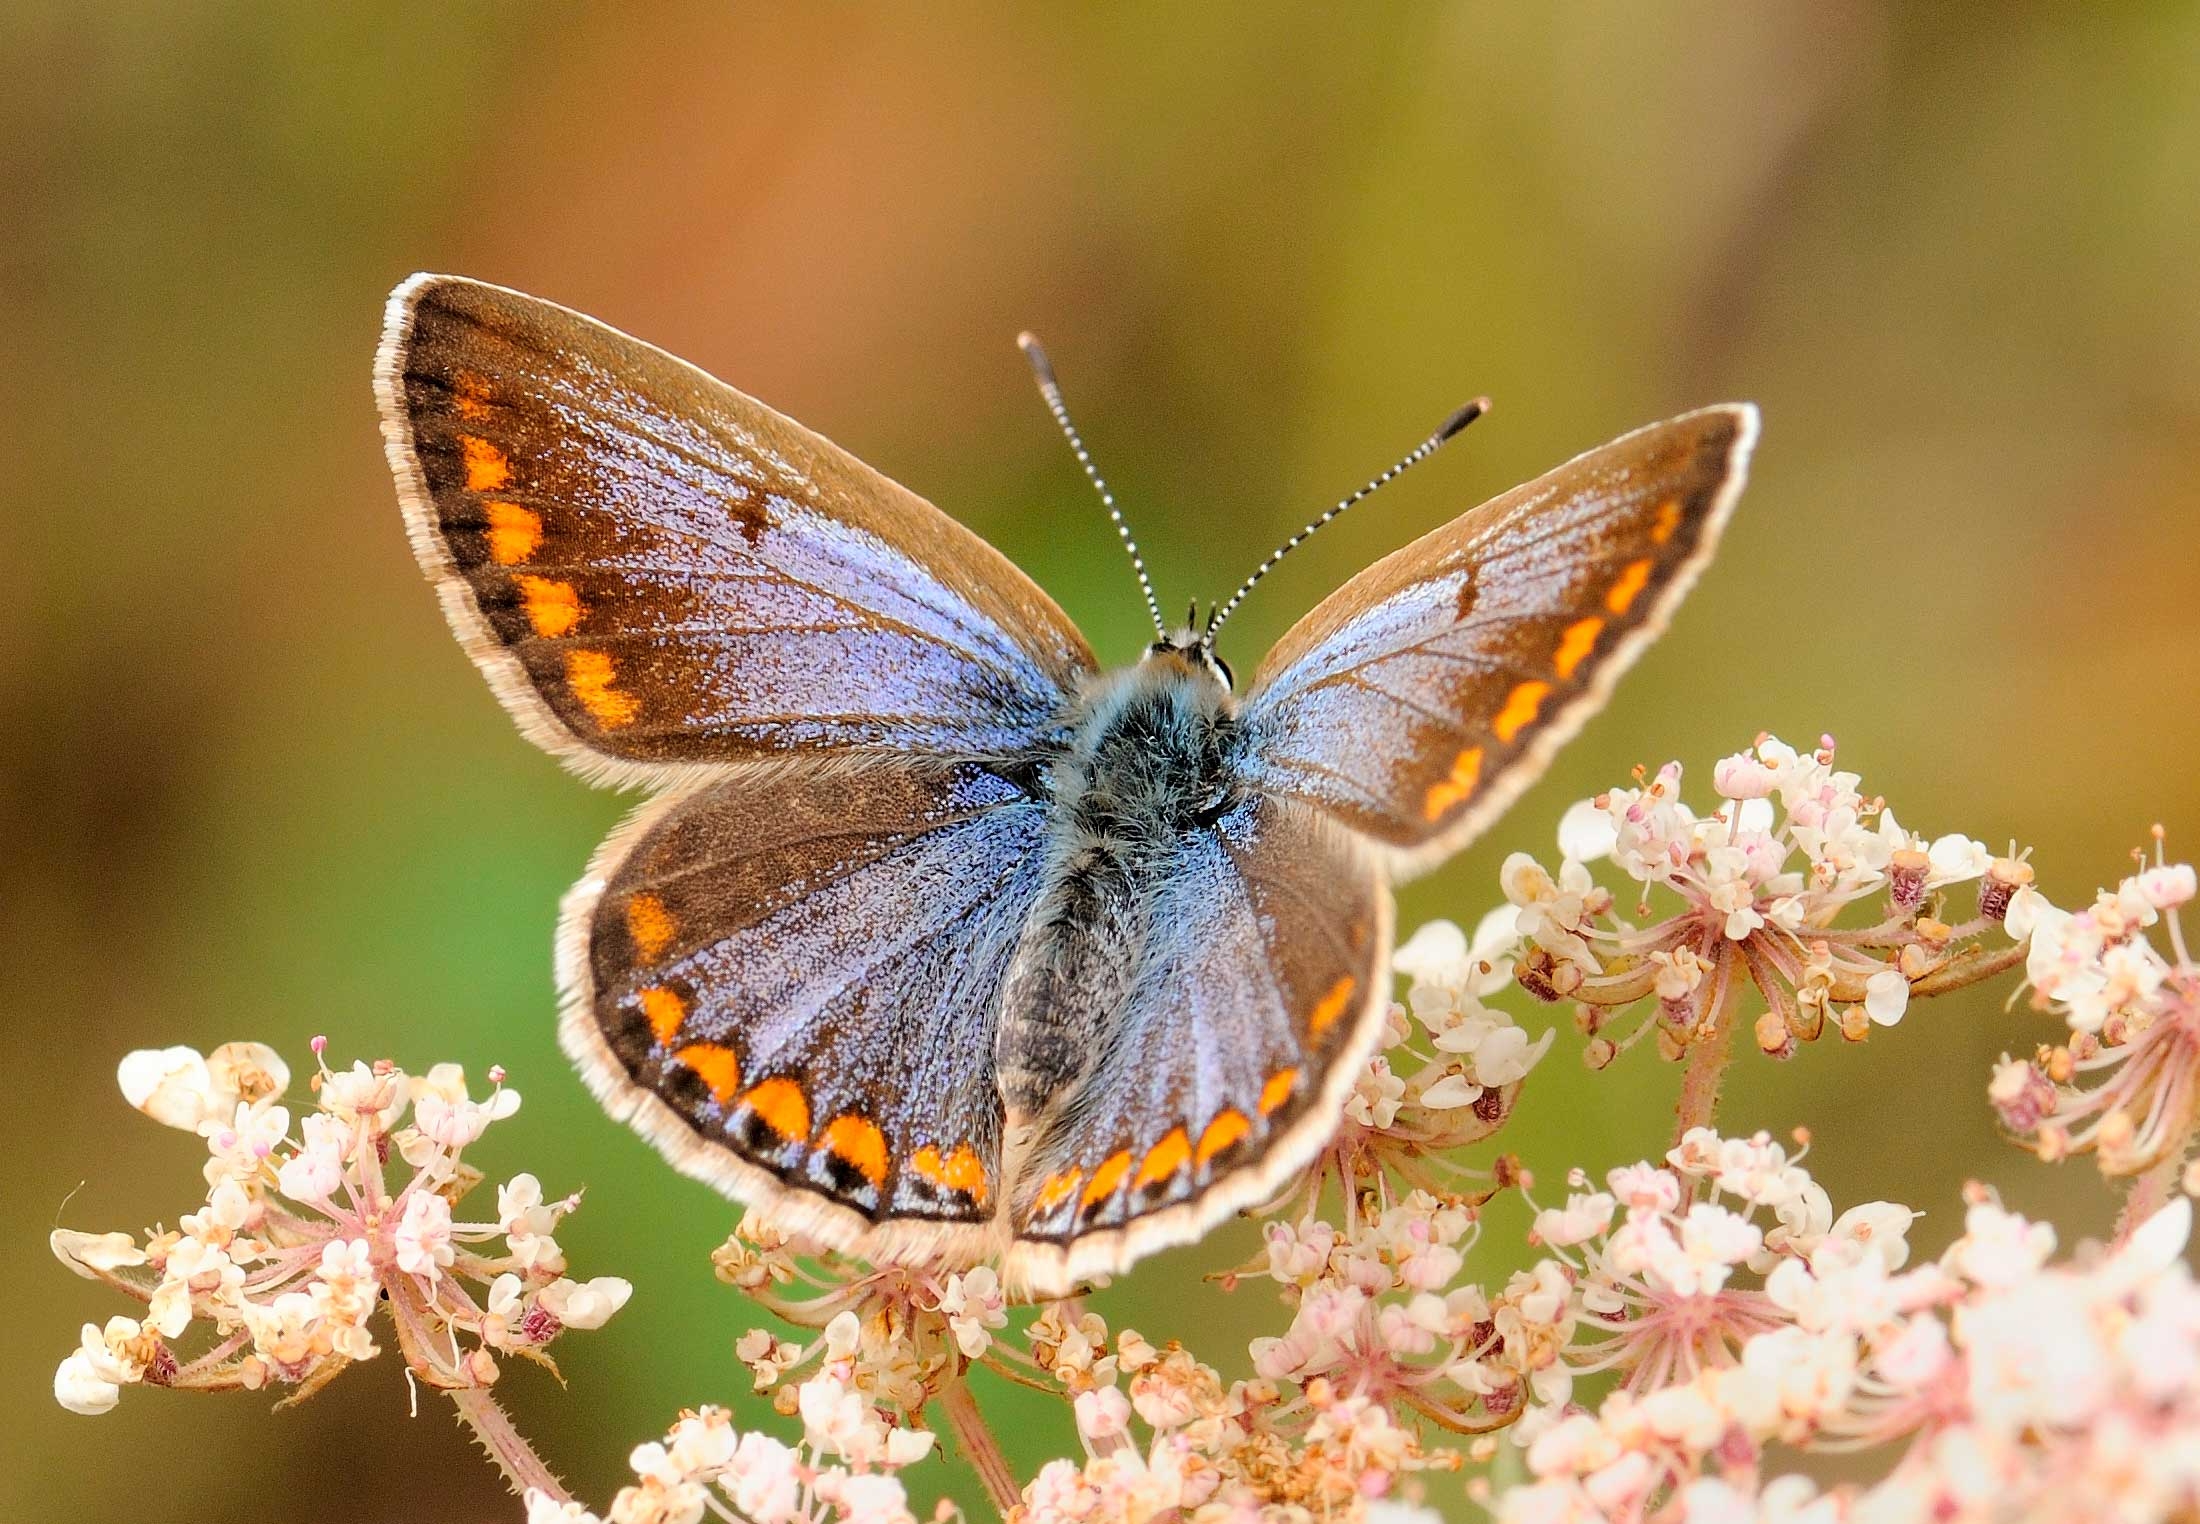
(1752, 894)
(1674, 1270)
(304, 1236)
(2009, 1388)
(2125, 1084)
(842, 1470)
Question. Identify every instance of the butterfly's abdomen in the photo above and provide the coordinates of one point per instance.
(1151, 757)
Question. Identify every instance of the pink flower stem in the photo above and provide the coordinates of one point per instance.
(523, 1469)
(211, 1358)
(2151, 1192)
(1016, 1368)
(979, 1447)
(1708, 1056)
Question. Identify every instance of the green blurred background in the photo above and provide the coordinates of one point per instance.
(253, 789)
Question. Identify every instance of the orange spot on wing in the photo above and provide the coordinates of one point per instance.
(1164, 1159)
(515, 533)
(1521, 707)
(857, 1142)
(1277, 1090)
(1108, 1178)
(488, 469)
(590, 675)
(1622, 594)
(1576, 644)
(1057, 1189)
(472, 395)
(781, 1106)
(719, 1067)
(1466, 772)
(1332, 1005)
(1227, 1128)
(958, 1170)
(1668, 520)
(553, 608)
(665, 1011)
(650, 925)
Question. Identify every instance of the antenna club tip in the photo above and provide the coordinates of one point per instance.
(1462, 418)
(1043, 368)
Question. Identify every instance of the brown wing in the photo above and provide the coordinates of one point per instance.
(788, 981)
(1419, 699)
(655, 570)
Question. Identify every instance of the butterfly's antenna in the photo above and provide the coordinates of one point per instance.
(1413, 457)
(1051, 389)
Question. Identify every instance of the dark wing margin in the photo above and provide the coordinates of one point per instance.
(1258, 999)
(655, 571)
(1423, 696)
(788, 982)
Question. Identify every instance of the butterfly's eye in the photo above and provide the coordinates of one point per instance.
(1229, 679)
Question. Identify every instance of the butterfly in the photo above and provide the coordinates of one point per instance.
(934, 941)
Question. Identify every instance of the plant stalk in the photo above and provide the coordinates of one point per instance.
(1707, 1058)
(979, 1447)
(2150, 1192)
(523, 1469)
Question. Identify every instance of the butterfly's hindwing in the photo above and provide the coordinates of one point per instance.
(1415, 702)
(654, 569)
(1222, 1070)
(794, 977)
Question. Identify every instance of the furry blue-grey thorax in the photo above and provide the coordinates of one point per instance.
(1151, 747)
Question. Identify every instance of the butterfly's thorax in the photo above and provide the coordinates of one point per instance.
(1150, 757)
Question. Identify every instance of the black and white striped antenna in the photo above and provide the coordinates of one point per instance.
(1049, 388)
(1413, 457)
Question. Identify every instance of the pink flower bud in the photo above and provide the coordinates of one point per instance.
(1742, 776)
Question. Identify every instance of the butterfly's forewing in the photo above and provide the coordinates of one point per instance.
(1225, 1067)
(788, 978)
(1415, 702)
(655, 570)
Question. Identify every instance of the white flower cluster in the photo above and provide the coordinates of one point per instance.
(2015, 1390)
(1211, 1453)
(1671, 1270)
(1447, 1070)
(1762, 882)
(1478, 1048)
(2126, 1084)
(841, 1473)
(1376, 1298)
(302, 1239)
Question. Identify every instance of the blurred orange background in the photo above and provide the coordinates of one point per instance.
(252, 788)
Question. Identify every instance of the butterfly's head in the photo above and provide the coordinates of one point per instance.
(1188, 647)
